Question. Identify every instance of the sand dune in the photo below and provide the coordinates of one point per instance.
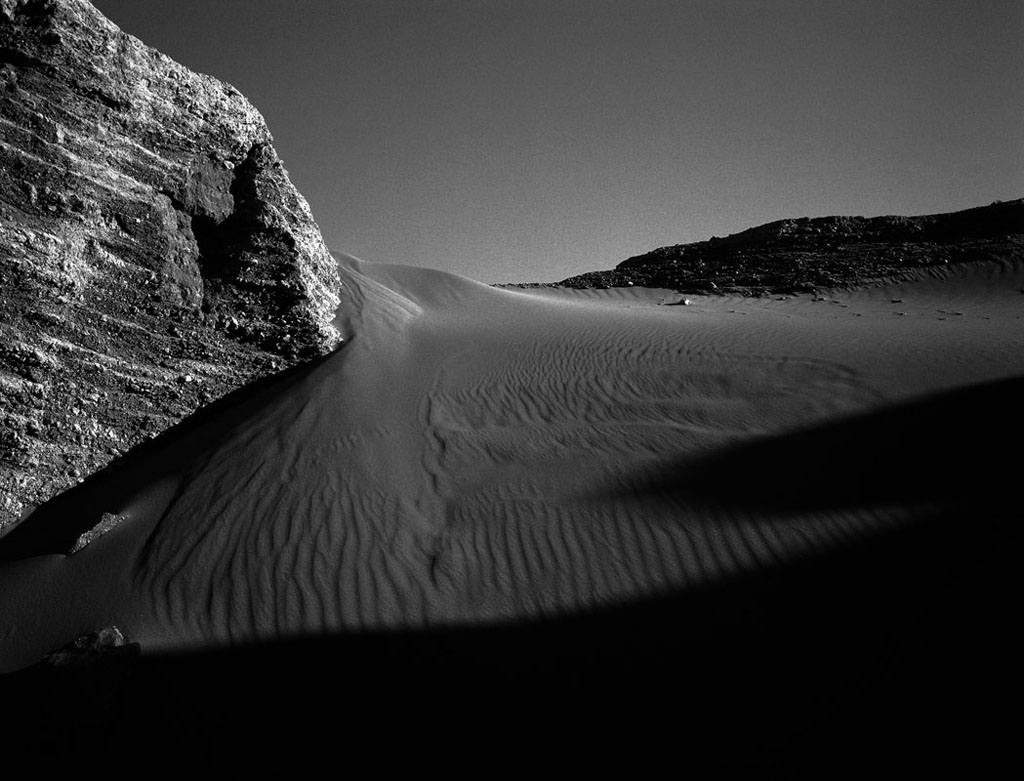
(758, 537)
(482, 455)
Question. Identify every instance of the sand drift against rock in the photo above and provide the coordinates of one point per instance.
(645, 503)
(478, 455)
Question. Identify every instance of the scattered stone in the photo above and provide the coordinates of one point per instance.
(89, 647)
(107, 522)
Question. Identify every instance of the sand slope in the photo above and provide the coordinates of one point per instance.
(481, 455)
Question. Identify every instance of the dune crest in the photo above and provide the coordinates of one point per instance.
(480, 455)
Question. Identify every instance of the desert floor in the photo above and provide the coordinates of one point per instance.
(785, 516)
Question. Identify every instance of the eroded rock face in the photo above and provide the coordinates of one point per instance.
(153, 252)
(807, 254)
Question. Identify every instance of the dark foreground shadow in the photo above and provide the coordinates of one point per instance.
(895, 657)
(890, 659)
(958, 449)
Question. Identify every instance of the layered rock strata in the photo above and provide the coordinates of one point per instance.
(153, 252)
(807, 254)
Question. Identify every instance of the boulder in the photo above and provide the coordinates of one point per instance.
(148, 231)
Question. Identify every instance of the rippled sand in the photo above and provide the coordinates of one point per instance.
(474, 455)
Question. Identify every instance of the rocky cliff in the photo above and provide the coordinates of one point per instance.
(153, 252)
(806, 254)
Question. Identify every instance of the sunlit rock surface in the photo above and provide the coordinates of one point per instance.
(153, 252)
(807, 254)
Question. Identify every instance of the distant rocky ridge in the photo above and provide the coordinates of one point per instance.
(153, 252)
(809, 254)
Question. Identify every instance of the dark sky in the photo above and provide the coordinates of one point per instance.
(527, 140)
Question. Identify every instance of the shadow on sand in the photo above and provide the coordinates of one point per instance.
(956, 449)
(896, 656)
(55, 525)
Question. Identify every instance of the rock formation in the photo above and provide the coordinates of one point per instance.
(153, 252)
(806, 254)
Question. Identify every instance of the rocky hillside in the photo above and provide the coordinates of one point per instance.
(153, 252)
(807, 254)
